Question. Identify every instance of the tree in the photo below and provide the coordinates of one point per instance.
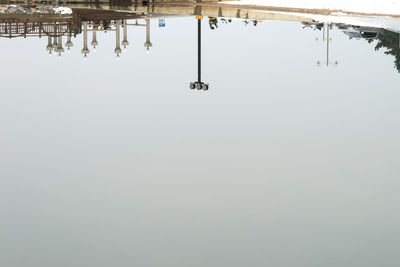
(390, 41)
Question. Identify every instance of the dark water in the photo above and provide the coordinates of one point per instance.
(116, 162)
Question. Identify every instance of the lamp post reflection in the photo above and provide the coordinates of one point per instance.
(328, 39)
(125, 42)
(85, 49)
(117, 49)
(49, 46)
(94, 42)
(55, 36)
(60, 48)
(199, 85)
(69, 43)
(148, 43)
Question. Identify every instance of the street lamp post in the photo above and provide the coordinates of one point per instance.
(328, 39)
(69, 43)
(49, 46)
(55, 36)
(199, 85)
(117, 49)
(148, 43)
(125, 42)
(60, 48)
(85, 49)
(94, 42)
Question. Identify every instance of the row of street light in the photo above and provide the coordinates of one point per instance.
(55, 43)
(325, 37)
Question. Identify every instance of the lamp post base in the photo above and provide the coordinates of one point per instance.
(199, 86)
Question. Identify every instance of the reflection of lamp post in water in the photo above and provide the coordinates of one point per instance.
(55, 45)
(125, 42)
(148, 44)
(199, 84)
(49, 46)
(69, 43)
(60, 48)
(94, 42)
(85, 49)
(335, 63)
(117, 49)
(324, 29)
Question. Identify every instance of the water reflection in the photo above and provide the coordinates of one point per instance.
(387, 39)
(326, 38)
(199, 85)
(61, 24)
(390, 41)
(279, 157)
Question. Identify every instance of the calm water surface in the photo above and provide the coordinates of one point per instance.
(107, 162)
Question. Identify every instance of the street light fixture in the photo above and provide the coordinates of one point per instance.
(117, 49)
(148, 43)
(94, 42)
(69, 43)
(60, 48)
(199, 85)
(85, 49)
(125, 42)
(328, 40)
(49, 46)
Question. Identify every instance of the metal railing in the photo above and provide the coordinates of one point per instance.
(53, 29)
